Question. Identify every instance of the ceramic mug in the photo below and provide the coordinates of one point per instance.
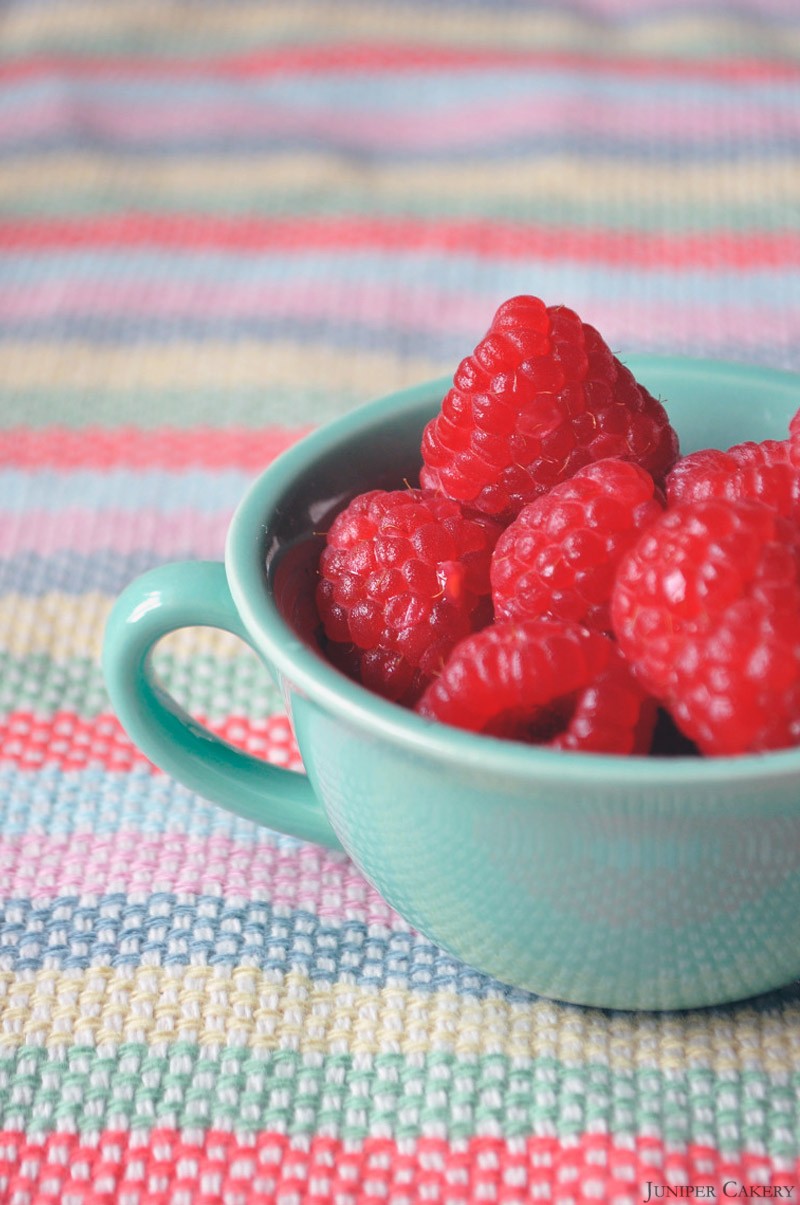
(617, 882)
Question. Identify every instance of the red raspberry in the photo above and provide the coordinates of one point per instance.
(559, 556)
(541, 396)
(761, 472)
(546, 683)
(404, 576)
(706, 607)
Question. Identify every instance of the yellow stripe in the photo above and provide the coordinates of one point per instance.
(266, 1011)
(553, 178)
(64, 625)
(148, 24)
(189, 366)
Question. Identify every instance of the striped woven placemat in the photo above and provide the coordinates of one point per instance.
(220, 225)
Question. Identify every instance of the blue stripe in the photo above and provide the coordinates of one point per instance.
(103, 802)
(398, 91)
(68, 933)
(612, 13)
(168, 930)
(125, 489)
(725, 146)
(107, 571)
(730, 342)
(120, 330)
(590, 12)
(267, 266)
(466, 274)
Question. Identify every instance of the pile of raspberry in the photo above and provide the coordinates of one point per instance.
(561, 576)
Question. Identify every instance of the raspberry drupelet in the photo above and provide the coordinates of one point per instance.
(404, 576)
(559, 556)
(706, 608)
(541, 396)
(543, 682)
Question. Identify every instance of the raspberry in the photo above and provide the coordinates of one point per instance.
(541, 396)
(543, 682)
(761, 472)
(559, 556)
(404, 576)
(706, 607)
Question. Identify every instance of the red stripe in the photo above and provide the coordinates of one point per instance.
(375, 57)
(510, 240)
(267, 1166)
(71, 742)
(136, 448)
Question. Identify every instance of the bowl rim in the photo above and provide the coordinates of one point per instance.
(331, 690)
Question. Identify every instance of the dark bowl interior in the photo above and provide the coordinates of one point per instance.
(383, 454)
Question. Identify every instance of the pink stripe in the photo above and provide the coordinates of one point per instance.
(457, 126)
(39, 866)
(373, 303)
(267, 1166)
(373, 57)
(71, 741)
(172, 448)
(462, 236)
(82, 529)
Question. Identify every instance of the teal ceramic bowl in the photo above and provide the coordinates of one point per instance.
(645, 883)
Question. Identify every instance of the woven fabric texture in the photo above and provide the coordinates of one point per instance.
(222, 224)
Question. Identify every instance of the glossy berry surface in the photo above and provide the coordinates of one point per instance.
(706, 608)
(761, 472)
(541, 396)
(404, 576)
(559, 556)
(543, 682)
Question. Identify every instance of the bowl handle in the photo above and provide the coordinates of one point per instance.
(196, 594)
